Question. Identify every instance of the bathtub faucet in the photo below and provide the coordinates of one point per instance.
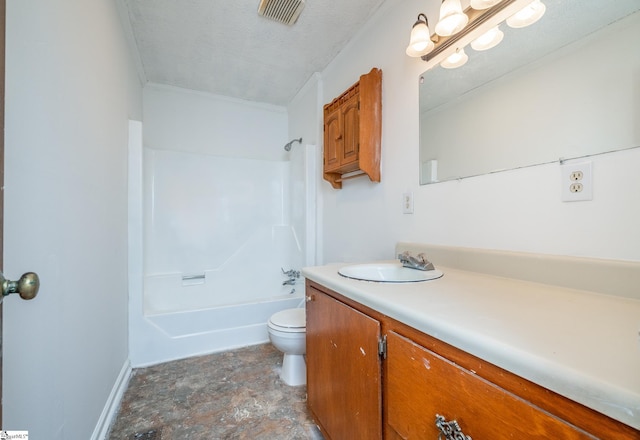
(293, 276)
(291, 273)
(419, 262)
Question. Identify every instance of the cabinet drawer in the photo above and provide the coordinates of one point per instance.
(421, 384)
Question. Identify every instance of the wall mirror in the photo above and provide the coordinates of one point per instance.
(566, 87)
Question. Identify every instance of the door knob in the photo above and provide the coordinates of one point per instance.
(27, 286)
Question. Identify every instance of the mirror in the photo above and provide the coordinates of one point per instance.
(565, 87)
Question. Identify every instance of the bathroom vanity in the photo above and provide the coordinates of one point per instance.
(493, 356)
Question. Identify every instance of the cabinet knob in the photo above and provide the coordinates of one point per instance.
(309, 298)
(450, 430)
(339, 137)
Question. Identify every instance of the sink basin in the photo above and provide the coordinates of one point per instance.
(388, 273)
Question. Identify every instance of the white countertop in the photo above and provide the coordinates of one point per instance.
(583, 345)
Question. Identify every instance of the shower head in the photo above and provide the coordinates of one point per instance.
(287, 146)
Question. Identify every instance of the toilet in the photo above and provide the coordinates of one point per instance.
(287, 332)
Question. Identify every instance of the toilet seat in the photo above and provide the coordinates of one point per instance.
(289, 320)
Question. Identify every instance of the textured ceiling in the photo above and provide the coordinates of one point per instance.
(224, 47)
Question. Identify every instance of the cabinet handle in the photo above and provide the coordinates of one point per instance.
(309, 298)
(451, 430)
(338, 137)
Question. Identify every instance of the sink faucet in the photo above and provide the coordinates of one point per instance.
(419, 262)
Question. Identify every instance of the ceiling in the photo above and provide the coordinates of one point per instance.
(224, 47)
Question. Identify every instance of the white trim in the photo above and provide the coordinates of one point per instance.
(113, 402)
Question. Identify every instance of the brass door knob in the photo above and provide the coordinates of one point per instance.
(27, 286)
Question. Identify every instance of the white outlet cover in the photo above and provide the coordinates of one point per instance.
(566, 171)
(407, 202)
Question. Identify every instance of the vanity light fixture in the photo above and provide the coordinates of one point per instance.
(420, 43)
(456, 59)
(489, 39)
(483, 4)
(482, 17)
(527, 15)
(452, 19)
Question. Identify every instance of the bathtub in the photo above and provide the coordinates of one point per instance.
(177, 335)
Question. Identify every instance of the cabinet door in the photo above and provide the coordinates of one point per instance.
(343, 369)
(421, 384)
(350, 131)
(333, 140)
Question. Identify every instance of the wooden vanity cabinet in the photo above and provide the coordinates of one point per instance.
(344, 388)
(352, 131)
(421, 384)
(423, 377)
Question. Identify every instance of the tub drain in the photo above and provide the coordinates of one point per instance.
(150, 434)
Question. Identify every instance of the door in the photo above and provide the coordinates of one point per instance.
(344, 390)
(351, 132)
(332, 139)
(2, 33)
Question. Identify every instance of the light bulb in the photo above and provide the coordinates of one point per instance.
(420, 43)
(489, 39)
(527, 15)
(483, 4)
(456, 59)
(452, 19)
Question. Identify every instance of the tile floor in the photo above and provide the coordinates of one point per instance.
(231, 395)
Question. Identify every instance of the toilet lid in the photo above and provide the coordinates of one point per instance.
(289, 318)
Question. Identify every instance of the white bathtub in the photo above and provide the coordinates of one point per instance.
(170, 336)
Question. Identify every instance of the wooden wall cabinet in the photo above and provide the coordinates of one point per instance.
(352, 131)
(421, 377)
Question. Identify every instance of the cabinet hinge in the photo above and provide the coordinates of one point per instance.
(382, 347)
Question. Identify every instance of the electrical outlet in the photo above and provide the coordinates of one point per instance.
(576, 187)
(407, 202)
(576, 176)
(577, 181)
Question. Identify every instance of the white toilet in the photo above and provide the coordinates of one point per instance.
(287, 331)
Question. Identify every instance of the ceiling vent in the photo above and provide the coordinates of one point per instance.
(284, 11)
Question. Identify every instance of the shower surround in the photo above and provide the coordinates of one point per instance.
(214, 234)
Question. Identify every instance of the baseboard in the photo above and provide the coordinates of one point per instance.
(113, 402)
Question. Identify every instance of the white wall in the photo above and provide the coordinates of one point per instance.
(70, 89)
(183, 120)
(515, 210)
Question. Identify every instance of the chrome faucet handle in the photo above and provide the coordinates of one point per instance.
(291, 273)
(419, 262)
(405, 256)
